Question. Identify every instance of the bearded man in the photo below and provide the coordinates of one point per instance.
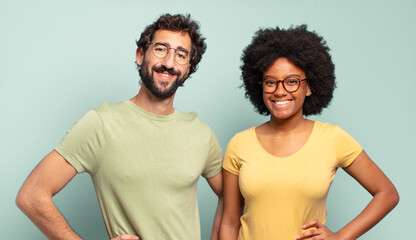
(144, 156)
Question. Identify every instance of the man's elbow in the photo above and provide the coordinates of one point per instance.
(27, 200)
(23, 201)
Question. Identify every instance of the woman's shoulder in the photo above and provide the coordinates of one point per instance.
(247, 133)
(325, 127)
(243, 137)
(328, 130)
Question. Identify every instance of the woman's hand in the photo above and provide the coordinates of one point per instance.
(126, 237)
(320, 233)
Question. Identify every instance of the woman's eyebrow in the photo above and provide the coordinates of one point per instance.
(290, 75)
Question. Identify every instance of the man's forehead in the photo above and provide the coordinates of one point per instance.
(174, 39)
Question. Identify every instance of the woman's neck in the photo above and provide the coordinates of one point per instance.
(287, 125)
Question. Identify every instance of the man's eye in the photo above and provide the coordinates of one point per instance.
(182, 54)
(160, 49)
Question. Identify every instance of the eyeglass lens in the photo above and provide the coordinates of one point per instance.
(161, 50)
(291, 84)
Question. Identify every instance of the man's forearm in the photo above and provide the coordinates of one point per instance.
(217, 220)
(44, 214)
(35, 196)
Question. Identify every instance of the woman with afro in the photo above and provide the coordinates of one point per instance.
(277, 175)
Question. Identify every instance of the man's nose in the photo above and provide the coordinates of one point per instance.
(169, 60)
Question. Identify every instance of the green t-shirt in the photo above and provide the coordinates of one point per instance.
(145, 168)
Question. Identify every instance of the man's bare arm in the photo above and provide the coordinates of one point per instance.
(216, 185)
(35, 196)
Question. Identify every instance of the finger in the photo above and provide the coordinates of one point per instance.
(313, 223)
(308, 234)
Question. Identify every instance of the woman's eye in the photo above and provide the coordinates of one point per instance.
(292, 81)
(269, 82)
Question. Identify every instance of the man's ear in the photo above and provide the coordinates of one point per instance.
(187, 71)
(139, 56)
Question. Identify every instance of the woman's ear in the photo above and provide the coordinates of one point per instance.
(308, 92)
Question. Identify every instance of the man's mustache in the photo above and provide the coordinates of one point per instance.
(171, 71)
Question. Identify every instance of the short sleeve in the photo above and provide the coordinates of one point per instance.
(231, 162)
(214, 160)
(347, 148)
(82, 145)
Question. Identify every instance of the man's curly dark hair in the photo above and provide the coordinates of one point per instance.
(307, 50)
(177, 23)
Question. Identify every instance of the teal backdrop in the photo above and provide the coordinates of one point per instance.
(59, 59)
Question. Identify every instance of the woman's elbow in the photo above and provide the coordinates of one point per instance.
(395, 198)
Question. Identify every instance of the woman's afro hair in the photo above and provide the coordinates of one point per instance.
(307, 50)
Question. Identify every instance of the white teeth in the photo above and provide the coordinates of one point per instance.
(281, 102)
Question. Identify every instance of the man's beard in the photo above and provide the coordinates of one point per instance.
(149, 82)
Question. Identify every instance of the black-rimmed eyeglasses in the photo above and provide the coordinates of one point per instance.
(290, 84)
(161, 50)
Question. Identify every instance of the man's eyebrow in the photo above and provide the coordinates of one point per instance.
(182, 48)
(179, 47)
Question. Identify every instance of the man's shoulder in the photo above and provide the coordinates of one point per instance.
(110, 107)
(187, 116)
(192, 119)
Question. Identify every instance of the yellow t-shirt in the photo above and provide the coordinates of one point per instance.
(281, 194)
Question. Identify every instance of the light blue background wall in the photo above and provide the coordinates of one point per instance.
(59, 59)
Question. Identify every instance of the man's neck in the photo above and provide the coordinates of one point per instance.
(148, 102)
